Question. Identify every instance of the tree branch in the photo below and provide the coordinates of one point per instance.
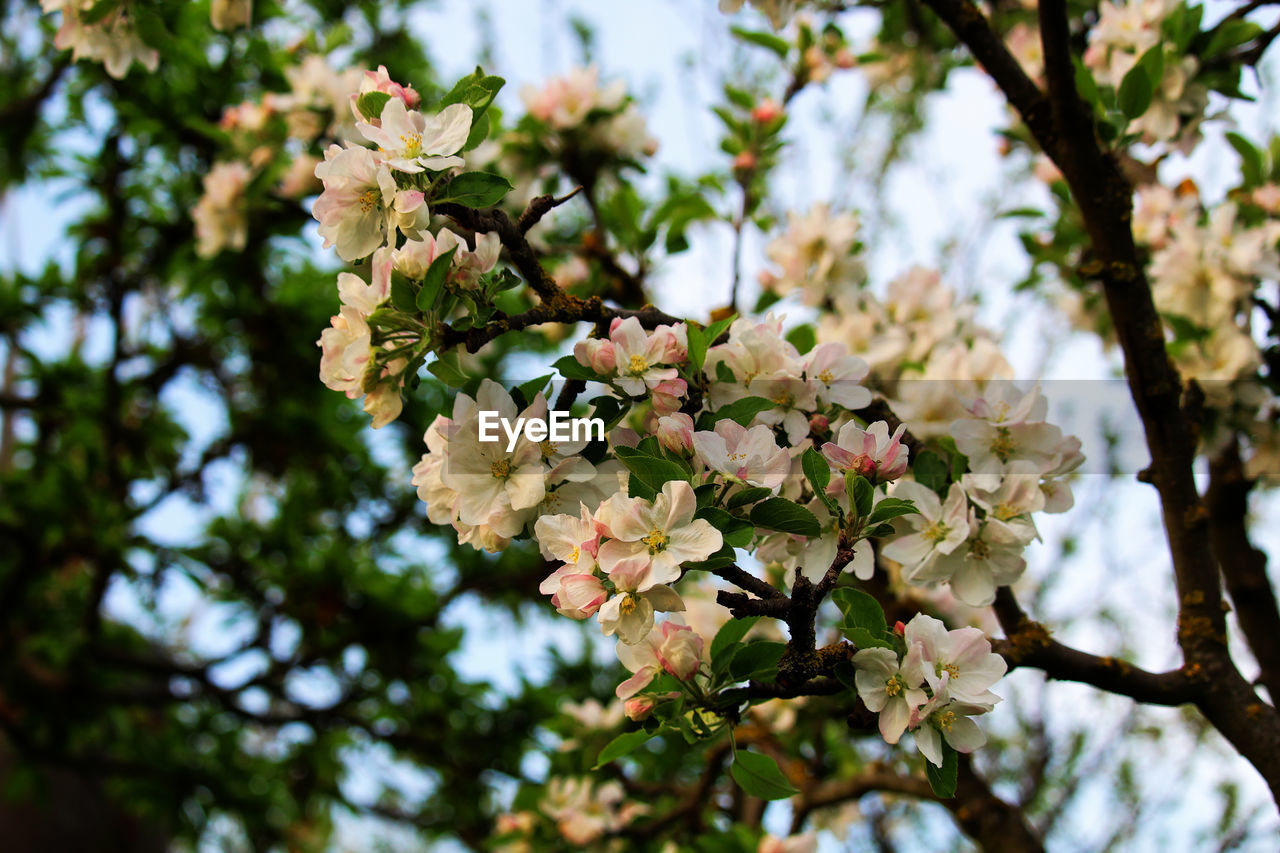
(1243, 566)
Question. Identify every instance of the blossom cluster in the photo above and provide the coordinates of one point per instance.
(932, 687)
(1124, 33)
(111, 39)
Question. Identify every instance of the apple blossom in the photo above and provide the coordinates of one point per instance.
(871, 453)
(412, 142)
(743, 455)
(670, 647)
(663, 534)
(891, 688)
(937, 530)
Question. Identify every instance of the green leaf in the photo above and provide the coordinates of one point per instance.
(1134, 95)
(724, 557)
(611, 410)
(531, 388)
(931, 472)
(570, 368)
(864, 639)
(697, 346)
(777, 44)
(724, 373)
(1251, 164)
(621, 745)
(757, 661)
(803, 338)
(860, 611)
(637, 488)
(477, 90)
(1086, 85)
(736, 531)
(653, 471)
(742, 411)
(748, 495)
(370, 104)
(717, 328)
(402, 295)
(730, 635)
(890, 508)
(98, 11)
(474, 189)
(448, 370)
(759, 776)
(433, 281)
(818, 471)
(785, 516)
(1231, 33)
(1153, 62)
(943, 779)
(479, 132)
(861, 493)
(739, 97)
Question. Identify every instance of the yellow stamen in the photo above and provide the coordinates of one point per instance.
(636, 365)
(656, 540)
(501, 469)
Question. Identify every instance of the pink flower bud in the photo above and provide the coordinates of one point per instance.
(819, 423)
(679, 650)
(899, 628)
(639, 707)
(596, 354)
(675, 432)
(667, 396)
(580, 596)
(744, 162)
(765, 111)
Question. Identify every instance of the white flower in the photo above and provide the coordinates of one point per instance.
(629, 613)
(639, 355)
(964, 655)
(939, 528)
(220, 215)
(836, 376)
(663, 534)
(670, 647)
(991, 557)
(750, 456)
(493, 483)
(944, 717)
(357, 202)
(412, 142)
(890, 687)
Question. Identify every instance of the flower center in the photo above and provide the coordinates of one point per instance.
(574, 554)
(1003, 445)
(656, 540)
(549, 448)
(628, 605)
(944, 720)
(894, 685)
(1005, 511)
(636, 365)
(937, 532)
(979, 550)
(501, 469)
(825, 377)
(412, 143)
(369, 200)
(950, 668)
